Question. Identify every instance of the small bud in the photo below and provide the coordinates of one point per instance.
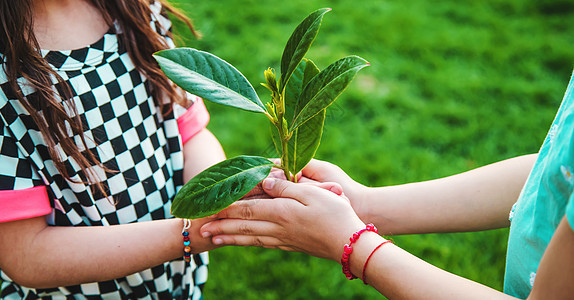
(271, 111)
(271, 80)
(285, 127)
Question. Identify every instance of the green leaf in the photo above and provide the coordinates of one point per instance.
(306, 138)
(219, 186)
(209, 77)
(305, 141)
(324, 88)
(304, 72)
(299, 43)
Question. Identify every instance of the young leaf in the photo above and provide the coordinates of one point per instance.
(305, 141)
(306, 138)
(299, 43)
(219, 186)
(324, 88)
(304, 72)
(209, 77)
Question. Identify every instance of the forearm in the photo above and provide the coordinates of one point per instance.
(40, 256)
(475, 200)
(103, 253)
(201, 152)
(399, 275)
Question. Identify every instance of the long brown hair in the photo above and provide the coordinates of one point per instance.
(22, 58)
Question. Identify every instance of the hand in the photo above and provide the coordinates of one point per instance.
(199, 243)
(302, 217)
(257, 192)
(322, 171)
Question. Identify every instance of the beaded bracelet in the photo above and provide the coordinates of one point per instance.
(348, 249)
(364, 277)
(186, 242)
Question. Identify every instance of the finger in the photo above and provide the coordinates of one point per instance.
(257, 196)
(254, 241)
(298, 176)
(329, 186)
(256, 209)
(280, 174)
(275, 160)
(286, 189)
(304, 179)
(257, 190)
(277, 173)
(314, 169)
(239, 227)
(246, 240)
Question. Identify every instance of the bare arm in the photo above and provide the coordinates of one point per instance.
(479, 199)
(400, 275)
(41, 256)
(475, 200)
(201, 152)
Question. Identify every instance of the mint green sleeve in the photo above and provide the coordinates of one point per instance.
(570, 211)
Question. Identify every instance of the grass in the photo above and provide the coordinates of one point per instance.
(452, 86)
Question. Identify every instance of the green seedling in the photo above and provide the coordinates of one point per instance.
(299, 98)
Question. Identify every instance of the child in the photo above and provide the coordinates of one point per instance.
(540, 258)
(94, 143)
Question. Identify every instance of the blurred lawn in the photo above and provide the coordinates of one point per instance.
(452, 86)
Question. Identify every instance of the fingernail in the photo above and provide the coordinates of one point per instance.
(206, 234)
(336, 190)
(218, 241)
(268, 183)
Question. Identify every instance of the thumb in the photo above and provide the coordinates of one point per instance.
(275, 187)
(302, 193)
(278, 188)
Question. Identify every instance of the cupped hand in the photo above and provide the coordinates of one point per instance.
(301, 217)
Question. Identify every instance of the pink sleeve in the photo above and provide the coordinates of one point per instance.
(193, 120)
(24, 204)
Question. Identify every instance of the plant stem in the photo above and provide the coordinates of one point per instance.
(283, 133)
(285, 155)
(284, 137)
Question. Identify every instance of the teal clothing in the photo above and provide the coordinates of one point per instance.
(545, 199)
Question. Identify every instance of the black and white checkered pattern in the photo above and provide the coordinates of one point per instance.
(132, 136)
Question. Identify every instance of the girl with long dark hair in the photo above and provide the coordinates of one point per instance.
(94, 143)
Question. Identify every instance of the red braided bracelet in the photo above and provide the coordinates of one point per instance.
(368, 258)
(348, 249)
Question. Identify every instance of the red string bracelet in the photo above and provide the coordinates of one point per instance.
(368, 258)
(348, 249)
(186, 242)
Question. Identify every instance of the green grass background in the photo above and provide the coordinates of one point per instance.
(452, 85)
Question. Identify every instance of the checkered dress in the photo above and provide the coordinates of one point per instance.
(133, 137)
